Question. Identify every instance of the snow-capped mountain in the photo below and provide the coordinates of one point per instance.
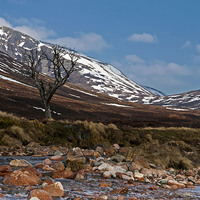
(187, 100)
(92, 74)
(98, 76)
(155, 91)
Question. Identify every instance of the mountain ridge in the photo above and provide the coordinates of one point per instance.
(19, 96)
(99, 76)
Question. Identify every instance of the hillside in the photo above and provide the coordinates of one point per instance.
(93, 75)
(17, 95)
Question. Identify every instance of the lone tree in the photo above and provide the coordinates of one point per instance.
(57, 64)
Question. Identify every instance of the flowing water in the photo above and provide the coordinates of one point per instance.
(90, 188)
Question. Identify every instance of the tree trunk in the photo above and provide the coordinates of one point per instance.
(47, 110)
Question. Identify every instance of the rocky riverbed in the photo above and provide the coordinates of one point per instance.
(46, 172)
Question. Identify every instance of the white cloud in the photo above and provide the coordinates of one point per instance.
(166, 76)
(144, 37)
(35, 28)
(134, 59)
(3, 22)
(37, 32)
(187, 44)
(32, 27)
(85, 42)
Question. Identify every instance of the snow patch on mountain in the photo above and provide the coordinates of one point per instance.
(93, 75)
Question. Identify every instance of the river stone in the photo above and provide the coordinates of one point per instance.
(55, 189)
(58, 153)
(58, 166)
(176, 183)
(116, 146)
(117, 158)
(171, 171)
(34, 198)
(47, 162)
(162, 182)
(78, 159)
(106, 174)
(76, 152)
(80, 175)
(126, 177)
(56, 158)
(47, 168)
(68, 174)
(138, 175)
(112, 169)
(96, 164)
(20, 163)
(88, 153)
(100, 150)
(105, 167)
(39, 194)
(5, 170)
(22, 177)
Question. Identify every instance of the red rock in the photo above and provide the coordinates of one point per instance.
(47, 162)
(28, 188)
(22, 177)
(174, 187)
(120, 198)
(55, 189)
(5, 170)
(176, 183)
(40, 194)
(2, 195)
(56, 158)
(32, 170)
(104, 185)
(189, 183)
(150, 172)
(63, 174)
(48, 181)
(142, 179)
(154, 188)
(80, 175)
(20, 163)
(119, 191)
(198, 182)
(47, 168)
(190, 186)
(39, 166)
(180, 177)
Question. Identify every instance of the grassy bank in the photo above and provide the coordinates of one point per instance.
(166, 147)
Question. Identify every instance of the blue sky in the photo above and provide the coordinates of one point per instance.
(154, 42)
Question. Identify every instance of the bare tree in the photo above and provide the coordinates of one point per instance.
(60, 67)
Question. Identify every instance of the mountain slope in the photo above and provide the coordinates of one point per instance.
(19, 96)
(97, 76)
(92, 74)
(187, 100)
